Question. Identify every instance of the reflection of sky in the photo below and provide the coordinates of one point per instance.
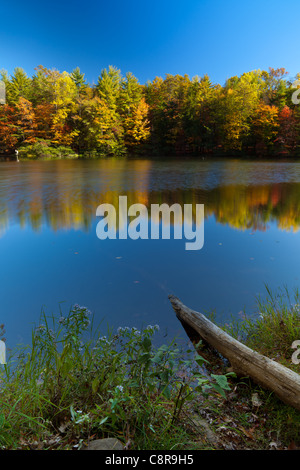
(127, 282)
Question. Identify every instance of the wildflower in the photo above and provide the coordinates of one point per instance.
(136, 332)
(51, 333)
(80, 418)
(103, 339)
(149, 328)
(152, 328)
(120, 388)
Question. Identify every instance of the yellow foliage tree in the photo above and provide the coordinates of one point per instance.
(137, 125)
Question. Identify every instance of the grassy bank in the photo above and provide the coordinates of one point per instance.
(271, 332)
(72, 385)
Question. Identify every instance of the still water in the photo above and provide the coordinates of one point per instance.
(51, 257)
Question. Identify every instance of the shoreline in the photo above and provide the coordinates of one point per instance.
(148, 397)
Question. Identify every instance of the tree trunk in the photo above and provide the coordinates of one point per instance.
(244, 361)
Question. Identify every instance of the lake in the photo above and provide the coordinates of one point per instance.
(51, 257)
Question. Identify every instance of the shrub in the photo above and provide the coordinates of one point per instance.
(74, 381)
(42, 149)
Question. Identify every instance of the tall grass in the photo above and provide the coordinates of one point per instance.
(72, 384)
(274, 328)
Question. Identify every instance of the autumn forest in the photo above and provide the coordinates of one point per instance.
(59, 114)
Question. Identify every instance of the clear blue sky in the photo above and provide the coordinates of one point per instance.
(151, 38)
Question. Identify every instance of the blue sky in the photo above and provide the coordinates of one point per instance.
(151, 38)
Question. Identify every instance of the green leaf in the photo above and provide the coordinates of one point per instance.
(163, 347)
(2, 420)
(167, 392)
(146, 344)
(231, 374)
(221, 381)
(114, 402)
(72, 412)
(144, 358)
(95, 384)
(158, 357)
(202, 380)
(219, 390)
(200, 360)
(164, 376)
(103, 420)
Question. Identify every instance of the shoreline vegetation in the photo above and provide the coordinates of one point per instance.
(59, 115)
(72, 385)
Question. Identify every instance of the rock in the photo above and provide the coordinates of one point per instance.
(256, 401)
(209, 434)
(109, 443)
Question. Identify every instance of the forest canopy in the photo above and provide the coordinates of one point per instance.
(253, 114)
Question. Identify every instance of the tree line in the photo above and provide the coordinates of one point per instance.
(253, 114)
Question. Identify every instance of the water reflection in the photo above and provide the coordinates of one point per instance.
(65, 195)
(50, 254)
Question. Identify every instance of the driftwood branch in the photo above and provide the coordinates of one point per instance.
(244, 361)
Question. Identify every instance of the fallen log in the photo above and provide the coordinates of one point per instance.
(244, 361)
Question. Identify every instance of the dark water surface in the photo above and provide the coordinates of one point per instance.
(51, 257)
